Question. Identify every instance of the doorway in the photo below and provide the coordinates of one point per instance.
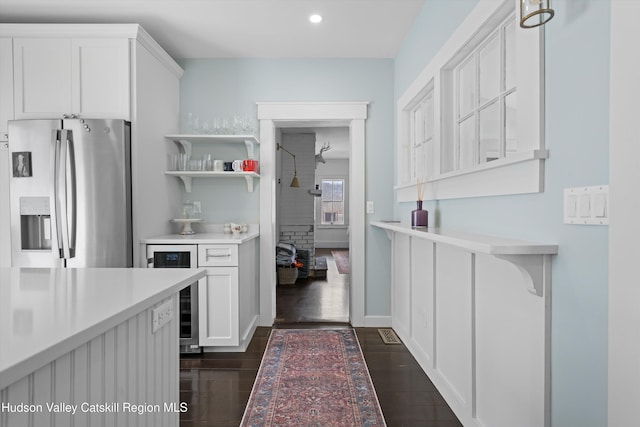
(312, 218)
(273, 115)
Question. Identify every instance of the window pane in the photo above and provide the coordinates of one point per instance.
(428, 113)
(428, 158)
(490, 70)
(490, 133)
(327, 212)
(327, 190)
(510, 112)
(338, 195)
(418, 126)
(466, 86)
(332, 213)
(510, 56)
(466, 144)
(420, 161)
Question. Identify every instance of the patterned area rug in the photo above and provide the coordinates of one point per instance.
(342, 261)
(313, 378)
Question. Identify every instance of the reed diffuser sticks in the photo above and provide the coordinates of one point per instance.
(420, 187)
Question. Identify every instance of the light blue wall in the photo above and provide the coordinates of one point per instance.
(577, 129)
(225, 87)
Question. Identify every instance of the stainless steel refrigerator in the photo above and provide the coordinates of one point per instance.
(70, 192)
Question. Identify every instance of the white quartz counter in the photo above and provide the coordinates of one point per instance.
(45, 313)
(203, 238)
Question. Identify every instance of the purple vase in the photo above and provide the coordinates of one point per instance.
(419, 217)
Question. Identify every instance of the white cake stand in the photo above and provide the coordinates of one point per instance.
(186, 225)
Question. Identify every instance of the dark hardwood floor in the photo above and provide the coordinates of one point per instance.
(315, 299)
(216, 386)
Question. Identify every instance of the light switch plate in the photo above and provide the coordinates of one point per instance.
(587, 205)
(370, 207)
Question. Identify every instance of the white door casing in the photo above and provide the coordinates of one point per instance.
(624, 152)
(271, 115)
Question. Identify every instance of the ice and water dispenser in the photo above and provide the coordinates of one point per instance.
(35, 223)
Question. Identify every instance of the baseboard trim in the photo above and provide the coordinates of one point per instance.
(332, 245)
(244, 341)
(377, 321)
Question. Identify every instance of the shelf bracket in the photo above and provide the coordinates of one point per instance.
(249, 180)
(184, 145)
(250, 149)
(535, 270)
(187, 183)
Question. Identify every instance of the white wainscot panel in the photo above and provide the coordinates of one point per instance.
(423, 299)
(453, 322)
(474, 311)
(401, 296)
(510, 347)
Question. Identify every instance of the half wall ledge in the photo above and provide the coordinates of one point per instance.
(532, 259)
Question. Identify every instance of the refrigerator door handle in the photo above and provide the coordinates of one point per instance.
(55, 191)
(71, 192)
(64, 195)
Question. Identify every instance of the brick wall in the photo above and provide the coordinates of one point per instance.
(301, 236)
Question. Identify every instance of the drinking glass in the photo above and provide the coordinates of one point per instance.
(183, 162)
(195, 164)
(208, 162)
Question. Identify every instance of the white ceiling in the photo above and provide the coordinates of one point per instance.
(242, 28)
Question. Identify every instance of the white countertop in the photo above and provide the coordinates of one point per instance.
(491, 245)
(203, 238)
(45, 313)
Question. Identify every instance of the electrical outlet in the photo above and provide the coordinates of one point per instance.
(161, 315)
(197, 207)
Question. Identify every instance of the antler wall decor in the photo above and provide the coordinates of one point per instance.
(325, 147)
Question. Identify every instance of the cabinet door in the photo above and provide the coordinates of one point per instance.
(5, 212)
(42, 73)
(218, 309)
(101, 78)
(6, 85)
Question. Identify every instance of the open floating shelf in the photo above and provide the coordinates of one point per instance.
(186, 177)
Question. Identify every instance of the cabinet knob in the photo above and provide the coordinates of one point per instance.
(6, 136)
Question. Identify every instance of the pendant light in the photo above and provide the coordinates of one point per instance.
(294, 181)
(534, 13)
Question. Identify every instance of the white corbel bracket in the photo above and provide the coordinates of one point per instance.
(186, 146)
(250, 148)
(535, 270)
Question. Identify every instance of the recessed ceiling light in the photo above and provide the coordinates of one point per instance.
(316, 19)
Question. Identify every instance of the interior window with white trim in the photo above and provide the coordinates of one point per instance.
(419, 150)
(485, 101)
(472, 123)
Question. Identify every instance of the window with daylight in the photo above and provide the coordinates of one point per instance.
(485, 102)
(332, 200)
(472, 122)
(419, 147)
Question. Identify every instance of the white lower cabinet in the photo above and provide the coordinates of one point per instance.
(228, 296)
(218, 308)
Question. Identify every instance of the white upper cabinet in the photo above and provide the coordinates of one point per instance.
(54, 77)
(6, 85)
